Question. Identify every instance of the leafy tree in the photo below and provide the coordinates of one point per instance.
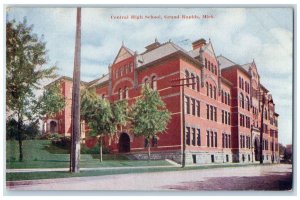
(149, 116)
(26, 56)
(102, 117)
(29, 131)
(51, 102)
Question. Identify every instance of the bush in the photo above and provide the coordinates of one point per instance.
(49, 136)
(62, 142)
(94, 150)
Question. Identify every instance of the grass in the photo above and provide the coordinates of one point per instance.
(42, 154)
(52, 175)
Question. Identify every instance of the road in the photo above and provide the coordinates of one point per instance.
(266, 177)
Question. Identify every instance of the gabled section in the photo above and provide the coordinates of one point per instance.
(123, 54)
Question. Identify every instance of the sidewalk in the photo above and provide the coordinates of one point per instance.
(81, 169)
(173, 164)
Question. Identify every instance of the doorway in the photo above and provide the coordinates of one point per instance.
(124, 143)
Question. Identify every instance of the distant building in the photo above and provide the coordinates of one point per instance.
(222, 110)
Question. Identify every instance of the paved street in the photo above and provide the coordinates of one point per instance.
(267, 177)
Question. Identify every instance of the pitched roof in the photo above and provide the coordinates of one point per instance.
(164, 50)
(224, 62)
(99, 80)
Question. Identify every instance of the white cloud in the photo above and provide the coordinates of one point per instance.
(236, 33)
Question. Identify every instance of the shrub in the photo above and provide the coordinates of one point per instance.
(62, 142)
(94, 150)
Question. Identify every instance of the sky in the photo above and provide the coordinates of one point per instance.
(240, 34)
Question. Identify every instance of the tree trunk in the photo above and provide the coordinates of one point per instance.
(100, 149)
(149, 154)
(20, 149)
(20, 139)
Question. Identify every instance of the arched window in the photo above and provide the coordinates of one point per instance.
(225, 98)
(146, 81)
(207, 90)
(198, 83)
(103, 96)
(216, 70)
(241, 100)
(120, 94)
(205, 63)
(187, 76)
(247, 103)
(228, 99)
(154, 83)
(210, 90)
(193, 81)
(215, 92)
(125, 92)
(208, 65)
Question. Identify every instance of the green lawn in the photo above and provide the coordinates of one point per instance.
(42, 154)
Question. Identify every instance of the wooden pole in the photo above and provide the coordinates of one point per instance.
(75, 123)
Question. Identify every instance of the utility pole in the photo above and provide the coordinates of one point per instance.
(75, 123)
(182, 85)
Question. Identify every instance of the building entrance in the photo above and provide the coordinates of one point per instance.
(124, 143)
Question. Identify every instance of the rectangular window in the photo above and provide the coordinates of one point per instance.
(222, 116)
(225, 117)
(216, 139)
(194, 136)
(198, 108)
(187, 102)
(198, 137)
(207, 139)
(212, 139)
(187, 136)
(193, 107)
(241, 120)
(228, 118)
(211, 113)
(241, 141)
(215, 113)
(207, 111)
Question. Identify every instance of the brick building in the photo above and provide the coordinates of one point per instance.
(223, 109)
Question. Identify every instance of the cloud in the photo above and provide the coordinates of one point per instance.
(237, 33)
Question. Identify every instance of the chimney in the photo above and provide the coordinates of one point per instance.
(199, 43)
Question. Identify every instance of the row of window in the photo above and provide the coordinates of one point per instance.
(265, 128)
(265, 145)
(193, 140)
(244, 85)
(152, 82)
(226, 140)
(195, 104)
(211, 67)
(211, 112)
(245, 142)
(153, 142)
(123, 93)
(192, 79)
(211, 139)
(244, 102)
(211, 91)
(245, 121)
(225, 97)
(123, 70)
(225, 117)
(272, 146)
